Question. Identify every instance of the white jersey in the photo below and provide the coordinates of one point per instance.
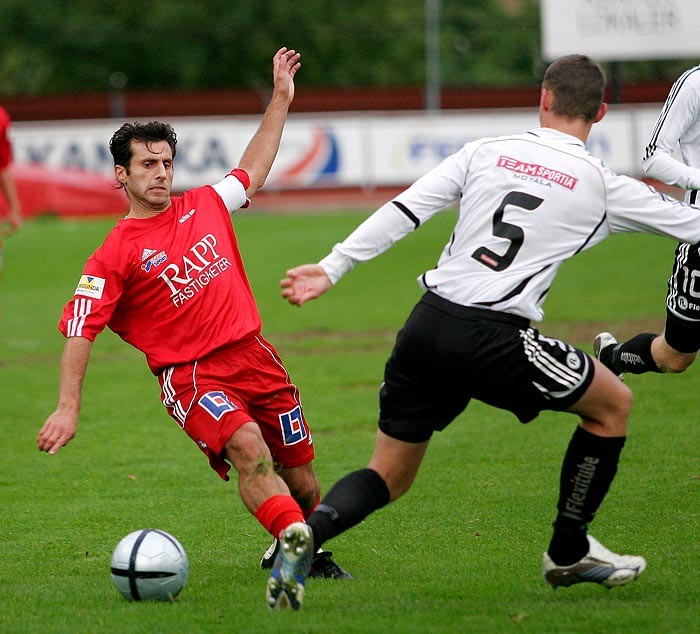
(678, 124)
(527, 203)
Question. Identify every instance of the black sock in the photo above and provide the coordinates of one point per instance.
(349, 501)
(632, 356)
(587, 472)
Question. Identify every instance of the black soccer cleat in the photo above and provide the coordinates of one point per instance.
(269, 555)
(323, 567)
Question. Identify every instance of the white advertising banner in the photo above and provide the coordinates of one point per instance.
(620, 30)
(367, 151)
(405, 147)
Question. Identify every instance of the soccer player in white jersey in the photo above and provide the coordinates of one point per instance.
(675, 349)
(527, 203)
(169, 280)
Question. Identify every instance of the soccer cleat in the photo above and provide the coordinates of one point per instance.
(269, 555)
(322, 564)
(602, 341)
(323, 567)
(599, 566)
(285, 587)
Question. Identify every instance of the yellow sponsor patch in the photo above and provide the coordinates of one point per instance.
(91, 286)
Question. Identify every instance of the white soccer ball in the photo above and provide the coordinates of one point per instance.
(149, 565)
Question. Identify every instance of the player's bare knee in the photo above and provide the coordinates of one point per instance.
(624, 404)
(248, 452)
(614, 418)
(609, 416)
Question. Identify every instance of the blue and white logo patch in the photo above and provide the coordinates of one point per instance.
(217, 404)
(154, 261)
(294, 429)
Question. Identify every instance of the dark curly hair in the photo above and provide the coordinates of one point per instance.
(120, 143)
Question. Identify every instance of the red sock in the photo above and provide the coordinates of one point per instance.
(312, 509)
(278, 512)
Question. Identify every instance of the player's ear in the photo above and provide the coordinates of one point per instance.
(120, 173)
(546, 99)
(601, 112)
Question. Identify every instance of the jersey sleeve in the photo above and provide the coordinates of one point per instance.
(396, 219)
(633, 206)
(681, 110)
(374, 236)
(95, 299)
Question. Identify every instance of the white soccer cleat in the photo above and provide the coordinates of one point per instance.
(285, 587)
(322, 564)
(604, 340)
(600, 565)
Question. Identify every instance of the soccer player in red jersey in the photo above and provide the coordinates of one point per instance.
(7, 183)
(169, 280)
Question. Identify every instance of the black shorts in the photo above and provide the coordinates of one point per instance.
(447, 354)
(683, 300)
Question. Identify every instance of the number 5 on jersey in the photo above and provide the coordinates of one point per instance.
(508, 231)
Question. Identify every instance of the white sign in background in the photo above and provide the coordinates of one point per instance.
(620, 30)
(368, 150)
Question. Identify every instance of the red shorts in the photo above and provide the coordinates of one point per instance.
(246, 382)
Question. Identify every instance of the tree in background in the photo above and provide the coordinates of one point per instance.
(74, 46)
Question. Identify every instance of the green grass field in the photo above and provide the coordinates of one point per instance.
(460, 552)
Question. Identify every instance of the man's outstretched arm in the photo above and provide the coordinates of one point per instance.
(261, 151)
(61, 426)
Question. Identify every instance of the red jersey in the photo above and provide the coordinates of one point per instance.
(173, 286)
(5, 147)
